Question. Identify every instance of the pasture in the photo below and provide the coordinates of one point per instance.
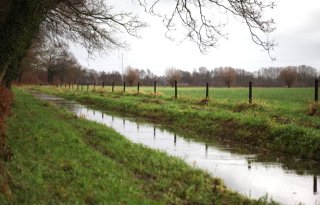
(290, 99)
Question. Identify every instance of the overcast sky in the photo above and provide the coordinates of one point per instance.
(297, 35)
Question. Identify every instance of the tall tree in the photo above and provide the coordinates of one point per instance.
(90, 23)
(172, 74)
(228, 75)
(131, 75)
(289, 75)
(95, 25)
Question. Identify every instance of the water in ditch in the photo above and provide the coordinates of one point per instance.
(243, 173)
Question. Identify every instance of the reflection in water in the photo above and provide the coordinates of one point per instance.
(315, 184)
(206, 151)
(242, 173)
(249, 164)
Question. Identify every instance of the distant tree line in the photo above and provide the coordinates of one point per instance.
(54, 64)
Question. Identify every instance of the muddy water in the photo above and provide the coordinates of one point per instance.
(245, 174)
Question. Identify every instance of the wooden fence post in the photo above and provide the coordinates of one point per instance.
(155, 87)
(316, 92)
(112, 86)
(207, 90)
(250, 92)
(175, 89)
(138, 87)
(124, 86)
(102, 84)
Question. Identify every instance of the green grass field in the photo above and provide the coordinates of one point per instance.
(294, 100)
(292, 96)
(59, 158)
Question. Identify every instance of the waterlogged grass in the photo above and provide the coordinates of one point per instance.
(279, 121)
(61, 159)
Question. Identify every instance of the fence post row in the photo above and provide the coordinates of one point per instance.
(207, 90)
(316, 88)
(175, 89)
(316, 92)
(250, 92)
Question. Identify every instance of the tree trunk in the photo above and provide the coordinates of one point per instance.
(17, 33)
(20, 77)
(50, 75)
(10, 74)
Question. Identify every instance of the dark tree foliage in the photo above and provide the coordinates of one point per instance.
(91, 23)
(95, 25)
(265, 77)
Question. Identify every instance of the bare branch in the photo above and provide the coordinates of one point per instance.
(203, 27)
(91, 23)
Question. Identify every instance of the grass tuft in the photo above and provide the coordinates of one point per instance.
(314, 109)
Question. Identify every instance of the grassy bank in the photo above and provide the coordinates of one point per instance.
(276, 126)
(61, 159)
